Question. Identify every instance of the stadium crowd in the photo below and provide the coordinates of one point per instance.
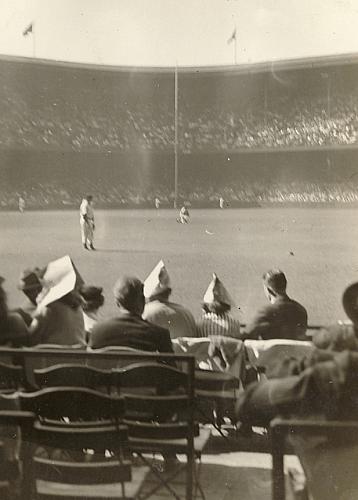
(52, 194)
(128, 123)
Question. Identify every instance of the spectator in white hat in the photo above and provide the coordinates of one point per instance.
(216, 318)
(59, 318)
(161, 311)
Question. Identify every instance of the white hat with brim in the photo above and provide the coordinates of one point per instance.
(60, 278)
(157, 282)
(216, 292)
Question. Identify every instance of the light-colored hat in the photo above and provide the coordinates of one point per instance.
(157, 282)
(216, 292)
(60, 278)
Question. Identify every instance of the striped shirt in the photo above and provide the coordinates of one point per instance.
(175, 317)
(213, 324)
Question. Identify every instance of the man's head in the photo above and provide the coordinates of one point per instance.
(275, 284)
(128, 292)
(92, 296)
(350, 302)
(30, 283)
(89, 198)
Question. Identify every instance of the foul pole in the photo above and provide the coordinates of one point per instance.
(176, 136)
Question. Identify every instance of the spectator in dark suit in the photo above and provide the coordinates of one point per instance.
(282, 318)
(128, 329)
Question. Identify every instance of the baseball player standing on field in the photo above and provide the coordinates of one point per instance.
(87, 222)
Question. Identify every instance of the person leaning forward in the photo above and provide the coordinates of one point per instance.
(128, 329)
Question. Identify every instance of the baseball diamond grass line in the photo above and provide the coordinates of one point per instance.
(316, 248)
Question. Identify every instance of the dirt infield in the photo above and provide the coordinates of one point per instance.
(317, 248)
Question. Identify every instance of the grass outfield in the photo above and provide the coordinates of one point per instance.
(317, 248)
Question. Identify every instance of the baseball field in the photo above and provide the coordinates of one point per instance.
(315, 247)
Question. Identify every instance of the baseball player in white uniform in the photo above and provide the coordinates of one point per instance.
(87, 222)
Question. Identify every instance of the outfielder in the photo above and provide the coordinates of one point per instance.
(184, 216)
(87, 222)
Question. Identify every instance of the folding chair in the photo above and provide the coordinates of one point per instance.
(159, 415)
(74, 375)
(12, 378)
(9, 470)
(31, 363)
(215, 395)
(71, 422)
(328, 451)
(113, 363)
(71, 404)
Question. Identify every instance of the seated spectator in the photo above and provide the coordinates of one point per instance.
(344, 334)
(93, 299)
(128, 329)
(30, 284)
(58, 318)
(13, 329)
(325, 390)
(282, 318)
(216, 319)
(161, 311)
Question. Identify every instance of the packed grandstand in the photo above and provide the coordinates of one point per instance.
(262, 123)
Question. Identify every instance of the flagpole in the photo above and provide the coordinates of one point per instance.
(176, 136)
(33, 41)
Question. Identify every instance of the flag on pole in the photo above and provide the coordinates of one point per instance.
(28, 30)
(233, 37)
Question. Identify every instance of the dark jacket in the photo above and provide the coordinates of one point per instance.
(327, 387)
(129, 330)
(284, 319)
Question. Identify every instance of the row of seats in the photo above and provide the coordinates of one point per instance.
(155, 404)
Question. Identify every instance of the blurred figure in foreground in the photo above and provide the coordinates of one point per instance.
(343, 334)
(160, 310)
(13, 329)
(216, 318)
(283, 317)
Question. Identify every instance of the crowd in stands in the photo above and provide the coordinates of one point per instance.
(53, 194)
(122, 122)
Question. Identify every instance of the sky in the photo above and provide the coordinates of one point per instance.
(186, 32)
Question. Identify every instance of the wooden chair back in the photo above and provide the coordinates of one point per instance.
(73, 375)
(72, 403)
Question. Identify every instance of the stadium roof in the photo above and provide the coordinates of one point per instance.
(262, 67)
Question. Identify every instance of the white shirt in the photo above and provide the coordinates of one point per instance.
(86, 209)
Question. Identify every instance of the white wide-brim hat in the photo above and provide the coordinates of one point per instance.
(60, 278)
